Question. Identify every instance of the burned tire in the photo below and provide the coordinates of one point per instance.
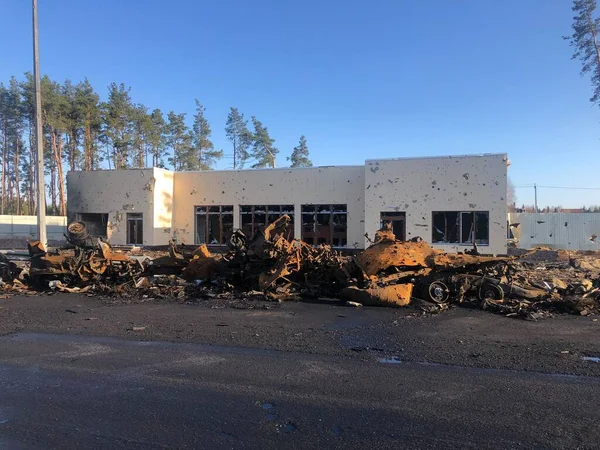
(489, 291)
(77, 233)
(438, 292)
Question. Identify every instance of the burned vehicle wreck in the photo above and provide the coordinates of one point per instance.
(272, 266)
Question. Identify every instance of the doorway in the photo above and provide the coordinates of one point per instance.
(135, 228)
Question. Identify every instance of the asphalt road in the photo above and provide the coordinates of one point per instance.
(65, 391)
(291, 376)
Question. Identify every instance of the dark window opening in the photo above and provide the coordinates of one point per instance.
(461, 227)
(213, 225)
(397, 220)
(96, 223)
(135, 228)
(253, 218)
(325, 224)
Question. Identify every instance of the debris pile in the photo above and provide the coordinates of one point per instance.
(269, 266)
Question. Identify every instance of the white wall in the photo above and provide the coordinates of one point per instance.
(416, 186)
(117, 193)
(567, 231)
(25, 227)
(419, 186)
(163, 207)
(316, 185)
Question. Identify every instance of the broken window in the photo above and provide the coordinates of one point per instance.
(397, 221)
(466, 227)
(96, 223)
(135, 228)
(255, 217)
(213, 224)
(325, 224)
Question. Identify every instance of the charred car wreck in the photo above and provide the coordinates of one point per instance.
(271, 265)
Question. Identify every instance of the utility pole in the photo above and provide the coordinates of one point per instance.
(535, 191)
(39, 141)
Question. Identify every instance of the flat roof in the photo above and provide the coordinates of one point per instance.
(250, 169)
(367, 161)
(403, 158)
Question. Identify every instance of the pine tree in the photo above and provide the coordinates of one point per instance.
(87, 103)
(28, 165)
(299, 156)
(55, 109)
(116, 117)
(237, 132)
(4, 117)
(73, 125)
(14, 126)
(180, 141)
(263, 150)
(156, 138)
(204, 153)
(141, 123)
(586, 30)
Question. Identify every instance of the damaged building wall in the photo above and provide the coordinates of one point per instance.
(342, 185)
(127, 196)
(163, 206)
(462, 198)
(418, 187)
(566, 231)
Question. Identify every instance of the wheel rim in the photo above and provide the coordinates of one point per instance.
(438, 292)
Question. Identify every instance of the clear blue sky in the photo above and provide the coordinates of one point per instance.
(389, 78)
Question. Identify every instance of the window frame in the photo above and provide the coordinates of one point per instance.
(271, 213)
(207, 213)
(317, 212)
(476, 216)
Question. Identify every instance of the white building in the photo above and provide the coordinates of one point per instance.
(448, 201)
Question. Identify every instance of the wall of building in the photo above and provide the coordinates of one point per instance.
(117, 193)
(568, 231)
(15, 231)
(316, 185)
(162, 206)
(418, 186)
(415, 186)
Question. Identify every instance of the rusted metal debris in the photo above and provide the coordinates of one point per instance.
(270, 266)
(79, 267)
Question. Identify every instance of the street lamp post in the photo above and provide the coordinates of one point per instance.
(39, 141)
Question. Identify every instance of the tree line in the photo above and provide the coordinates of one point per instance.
(81, 132)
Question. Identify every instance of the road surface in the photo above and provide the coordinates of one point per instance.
(65, 391)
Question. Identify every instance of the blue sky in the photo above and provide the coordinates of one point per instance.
(391, 78)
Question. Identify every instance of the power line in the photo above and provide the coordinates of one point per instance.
(559, 187)
(570, 187)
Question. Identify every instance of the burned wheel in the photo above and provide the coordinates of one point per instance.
(77, 233)
(438, 292)
(490, 291)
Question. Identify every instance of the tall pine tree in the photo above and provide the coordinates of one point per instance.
(55, 112)
(203, 149)
(299, 156)
(263, 150)
(180, 141)
(240, 137)
(157, 139)
(117, 114)
(87, 103)
(586, 30)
